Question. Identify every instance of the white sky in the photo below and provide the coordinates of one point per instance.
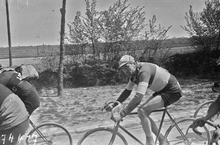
(37, 22)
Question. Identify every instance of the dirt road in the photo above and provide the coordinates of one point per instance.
(79, 109)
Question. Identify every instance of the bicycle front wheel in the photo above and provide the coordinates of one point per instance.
(202, 109)
(181, 134)
(49, 134)
(102, 136)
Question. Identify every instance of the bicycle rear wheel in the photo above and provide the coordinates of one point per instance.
(188, 137)
(49, 134)
(102, 136)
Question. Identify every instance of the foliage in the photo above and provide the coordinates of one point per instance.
(115, 28)
(92, 72)
(117, 31)
(193, 64)
(155, 50)
(49, 59)
(204, 27)
(47, 79)
(85, 30)
(121, 26)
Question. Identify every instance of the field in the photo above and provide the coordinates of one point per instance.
(27, 51)
(33, 54)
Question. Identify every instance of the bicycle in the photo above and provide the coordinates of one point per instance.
(215, 136)
(177, 133)
(48, 134)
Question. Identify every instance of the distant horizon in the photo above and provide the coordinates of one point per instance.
(65, 44)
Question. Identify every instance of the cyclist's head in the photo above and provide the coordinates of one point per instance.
(126, 59)
(127, 64)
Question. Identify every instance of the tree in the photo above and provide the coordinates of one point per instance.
(121, 25)
(115, 28)
(85, 29)
(155, 50)
(62, 48)
(204, 27)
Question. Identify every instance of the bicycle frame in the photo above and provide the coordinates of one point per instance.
(41, 135)
(164, 110)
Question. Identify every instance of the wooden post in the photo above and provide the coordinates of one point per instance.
(9, 33)
(62, 48)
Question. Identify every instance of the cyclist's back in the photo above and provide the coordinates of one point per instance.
(13, 117)
(26, 92)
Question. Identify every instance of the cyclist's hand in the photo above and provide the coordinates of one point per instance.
(117, 117)
(199, 122)
(108, 107)
(116, 111)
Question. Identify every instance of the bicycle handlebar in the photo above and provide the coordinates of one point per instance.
(194, 128)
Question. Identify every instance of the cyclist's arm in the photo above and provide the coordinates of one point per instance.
(213, 109)
(126, 93)
(141, 91)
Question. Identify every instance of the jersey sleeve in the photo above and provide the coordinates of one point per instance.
(130, 85)
(142, 86)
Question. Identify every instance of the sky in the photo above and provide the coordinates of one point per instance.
(37, 22)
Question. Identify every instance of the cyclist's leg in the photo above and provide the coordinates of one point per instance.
(168, 99)
(155, 102)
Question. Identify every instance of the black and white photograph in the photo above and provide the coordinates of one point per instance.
(109, 72)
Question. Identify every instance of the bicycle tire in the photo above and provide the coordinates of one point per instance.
(100, 135)
(49, 134)
(202, 109)
(173, 136)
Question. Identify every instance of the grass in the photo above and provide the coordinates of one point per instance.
(28, 51)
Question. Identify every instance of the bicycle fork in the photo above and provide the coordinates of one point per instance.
(114, 133)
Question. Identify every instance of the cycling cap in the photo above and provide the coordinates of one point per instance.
(125, 60)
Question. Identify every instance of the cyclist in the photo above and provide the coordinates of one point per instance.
(213, 110)
(148, 76)
(26, 92)
(13, 117)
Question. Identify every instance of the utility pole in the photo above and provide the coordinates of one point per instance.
(62, 48)
(9, 33)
